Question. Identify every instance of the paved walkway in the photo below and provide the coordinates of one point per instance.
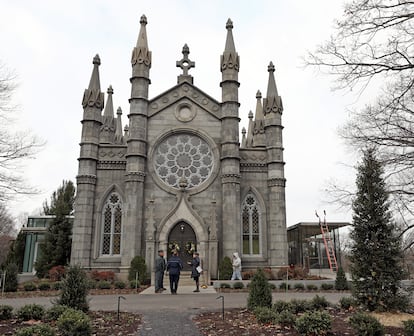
(181, 290)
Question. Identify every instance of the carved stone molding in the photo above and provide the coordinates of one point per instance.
(112, 153)
(111, 165)
(93, 98)
(185, 91)
(253, 167)
(276, 182)
(135, 177)
(230, 178)
(253, 156)
(86, 179)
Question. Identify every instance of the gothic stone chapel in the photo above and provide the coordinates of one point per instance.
(176, 176)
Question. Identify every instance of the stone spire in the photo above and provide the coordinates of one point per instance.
(230, 59)
(259, 139)
(118, 129)
(243, 144)
(272, 103)
(249, 138)
(93, 97)
(108, 114)
(141, 53)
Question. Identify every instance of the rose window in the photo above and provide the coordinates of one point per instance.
(183, 158)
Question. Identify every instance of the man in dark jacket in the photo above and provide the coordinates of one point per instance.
(174, 267)
(160, 267)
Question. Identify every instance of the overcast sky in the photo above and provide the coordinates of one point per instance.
(50, 45)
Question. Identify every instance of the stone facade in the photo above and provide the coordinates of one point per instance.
(177, 176)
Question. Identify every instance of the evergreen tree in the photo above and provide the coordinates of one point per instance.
(56, 247)
(340, 282)
(15, 255)
(74, 290)
(260, 294)
(376, 248)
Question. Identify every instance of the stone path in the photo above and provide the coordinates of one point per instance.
(167, 322)
(181, 290)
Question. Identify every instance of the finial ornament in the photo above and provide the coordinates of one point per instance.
(271, 67)
(258, 94)
(110, 90)
(119, 111)
(250, 115)
(229, 24)
(185, 63)
(96, 60)
(143, 20)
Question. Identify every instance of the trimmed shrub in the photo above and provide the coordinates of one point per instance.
(134, 284)
(281, 305)
(300, 306)
(57, 285)
(10, 283)
(299, 286)
(283, 286)
(103, 284)
(408, 328)
(238, 285)
(138, 265)
(44, 286)
(319, 302)
(54, 312)
(74, 289)
(103, 275)
(30, 312)
(311, 287)
(119, 284)
(327, 286)
(260, 294)
(56, 273)
(29, 286)
(225, 285)
(36, 330)
(6, 312)
(286, 318)
(91, 284)
(366, 325)
(313, 323)
(271, 285)
(340, 282)
(265, 315)
(347, 302)
(226, 269)
(74, 323)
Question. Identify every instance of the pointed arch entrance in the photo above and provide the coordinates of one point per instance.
(183, 238)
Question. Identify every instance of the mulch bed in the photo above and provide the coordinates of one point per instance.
(104, 324)
(242, 322)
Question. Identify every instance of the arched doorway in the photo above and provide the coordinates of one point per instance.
(182, 238)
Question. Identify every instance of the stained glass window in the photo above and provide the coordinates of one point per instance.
(111, 225)
(183, 156)
(251, 225)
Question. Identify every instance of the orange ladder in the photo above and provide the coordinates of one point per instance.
(329, 244)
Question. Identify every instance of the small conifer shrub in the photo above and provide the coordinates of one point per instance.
(340, 282)
(260, 294)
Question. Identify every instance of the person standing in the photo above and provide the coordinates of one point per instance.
(160, 266)
(236, 267)
(174, 267)
(196, 270)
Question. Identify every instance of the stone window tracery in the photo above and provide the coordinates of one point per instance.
(251, 225)
(183, 157)
(111, 225)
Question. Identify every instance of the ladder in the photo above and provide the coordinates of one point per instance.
(329, 244)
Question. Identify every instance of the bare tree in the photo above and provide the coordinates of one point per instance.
(373, 45)
(15, 147)
(8, 231)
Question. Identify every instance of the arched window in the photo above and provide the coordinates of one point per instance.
(251, 225)
(111, 225)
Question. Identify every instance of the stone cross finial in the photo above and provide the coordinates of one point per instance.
(185, 64)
